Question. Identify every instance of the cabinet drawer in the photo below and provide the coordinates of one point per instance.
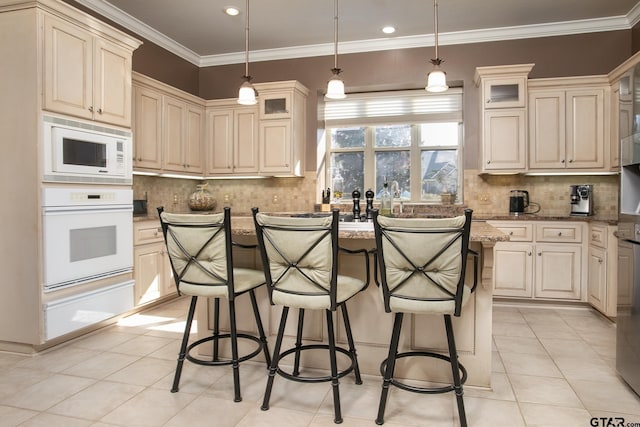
(517, 232)
(553, 232)
(598, 236)
(147, 232)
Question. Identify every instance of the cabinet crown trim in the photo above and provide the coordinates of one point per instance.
(501, 71)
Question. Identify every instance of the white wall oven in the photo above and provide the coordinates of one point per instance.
(87, 234)
(85, 153)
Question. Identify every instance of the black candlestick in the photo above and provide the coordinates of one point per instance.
(356, 204)
(369, 210)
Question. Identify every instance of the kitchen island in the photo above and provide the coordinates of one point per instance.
(370, 324)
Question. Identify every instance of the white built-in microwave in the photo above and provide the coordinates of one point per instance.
(85, 153)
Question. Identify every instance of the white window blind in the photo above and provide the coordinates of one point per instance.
(411, 106)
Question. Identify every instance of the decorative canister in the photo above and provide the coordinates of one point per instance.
(201, 199)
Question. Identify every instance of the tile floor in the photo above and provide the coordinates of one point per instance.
(552, 367)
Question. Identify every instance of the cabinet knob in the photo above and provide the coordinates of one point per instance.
(529, 253)
(539, 253)
(571, 161)
(511, 233)
(488, 161)
(600, 260)
(559, 233)
(91, 109)
(99, 110)
(562, 161)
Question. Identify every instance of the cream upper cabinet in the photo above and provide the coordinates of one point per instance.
(568, 127)
(232, 138)
(182, 136)
(504, 140)
(622, 115)
(168, 129)
(503, 117)
(86, 75)
(282, 135)
(147, 128)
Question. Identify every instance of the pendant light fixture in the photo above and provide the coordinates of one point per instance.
(247, 93)
(437, 79)
(335, 87)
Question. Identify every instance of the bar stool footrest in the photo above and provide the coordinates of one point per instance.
(219, 362)
(310, 379)
(424, 390)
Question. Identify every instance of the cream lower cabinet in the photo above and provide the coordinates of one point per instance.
(85, 74)
(602, 282)
(151, 267)
(542, 260)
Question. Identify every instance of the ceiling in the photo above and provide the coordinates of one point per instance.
(200, 32)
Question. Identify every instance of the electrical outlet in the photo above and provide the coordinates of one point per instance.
(227, 198)
(484, 199)
(175, 199)
(275, 199)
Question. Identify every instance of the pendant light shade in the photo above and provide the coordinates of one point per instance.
(437, 78)
(335, 87)
(247, 94)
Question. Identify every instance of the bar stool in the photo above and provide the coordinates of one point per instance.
(300, 260)
(422, 264)
(200, 252)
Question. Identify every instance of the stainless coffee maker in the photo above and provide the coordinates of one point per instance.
(581, 200)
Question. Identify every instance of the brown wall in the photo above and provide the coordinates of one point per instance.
(584, 54)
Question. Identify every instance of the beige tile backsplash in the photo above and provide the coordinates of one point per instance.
(486, 194)
(269, 194)
(551, 192)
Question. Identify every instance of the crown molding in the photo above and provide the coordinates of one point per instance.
(461, 37)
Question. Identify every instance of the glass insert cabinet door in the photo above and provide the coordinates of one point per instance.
(504, 92)
(275, 106)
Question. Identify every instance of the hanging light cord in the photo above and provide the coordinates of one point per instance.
(437, 60)
(335, 68)
(246, 44)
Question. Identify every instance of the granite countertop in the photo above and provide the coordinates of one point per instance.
(480, 231)
(544, 217)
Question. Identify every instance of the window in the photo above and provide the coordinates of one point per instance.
(410, 139)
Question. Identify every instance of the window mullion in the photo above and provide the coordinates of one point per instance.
(416, 166)
(369, 160)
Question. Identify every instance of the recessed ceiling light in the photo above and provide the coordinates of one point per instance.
(388, 29)
(231, 10)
